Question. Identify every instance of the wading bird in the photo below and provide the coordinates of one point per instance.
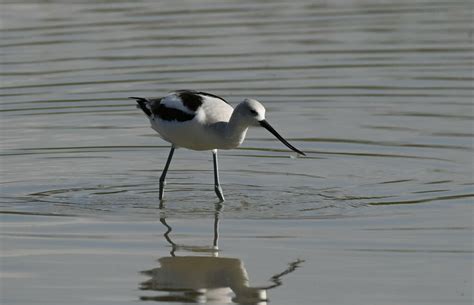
(203, 121)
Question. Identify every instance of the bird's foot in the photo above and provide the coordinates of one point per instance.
(162, 188)
(219, 193)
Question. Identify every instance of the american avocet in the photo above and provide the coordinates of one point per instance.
(203, 121)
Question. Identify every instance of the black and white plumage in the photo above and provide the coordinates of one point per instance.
(203, 121)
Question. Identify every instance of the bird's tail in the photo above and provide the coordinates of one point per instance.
(142, 104)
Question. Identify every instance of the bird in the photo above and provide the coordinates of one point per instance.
(203, 121)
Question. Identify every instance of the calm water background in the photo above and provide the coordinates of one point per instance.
(377, 93)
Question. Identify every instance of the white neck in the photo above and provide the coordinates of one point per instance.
(236, 130)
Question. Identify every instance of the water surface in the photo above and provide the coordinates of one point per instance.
(378, 95)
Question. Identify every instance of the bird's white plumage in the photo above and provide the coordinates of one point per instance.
(214, 110)
(202, 121)
(209, 129)
(174, 101)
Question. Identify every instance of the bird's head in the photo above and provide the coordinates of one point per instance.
(252, 113)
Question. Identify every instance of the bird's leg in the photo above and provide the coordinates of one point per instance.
(165, 170)
(217, 186)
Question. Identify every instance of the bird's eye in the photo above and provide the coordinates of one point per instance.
(253, 112)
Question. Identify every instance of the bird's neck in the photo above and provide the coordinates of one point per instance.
(235, 130)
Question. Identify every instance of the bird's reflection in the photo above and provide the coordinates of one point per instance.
(205, 278)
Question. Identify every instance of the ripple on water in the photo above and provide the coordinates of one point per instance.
(383, 107)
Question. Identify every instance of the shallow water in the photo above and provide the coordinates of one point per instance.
(378, 94)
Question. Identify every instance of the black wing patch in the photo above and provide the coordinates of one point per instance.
(161, 111)
(172, 114)
(191, 99)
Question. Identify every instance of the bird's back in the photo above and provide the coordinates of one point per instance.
(187, 118)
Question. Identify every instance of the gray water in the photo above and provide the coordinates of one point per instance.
(377, 93)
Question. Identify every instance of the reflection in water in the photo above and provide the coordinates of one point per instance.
(174, 247)
(205, 279)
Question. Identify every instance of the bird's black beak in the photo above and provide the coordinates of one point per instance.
(269, 127)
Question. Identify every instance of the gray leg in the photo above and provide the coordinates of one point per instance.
(217, 186)
(165, 170)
